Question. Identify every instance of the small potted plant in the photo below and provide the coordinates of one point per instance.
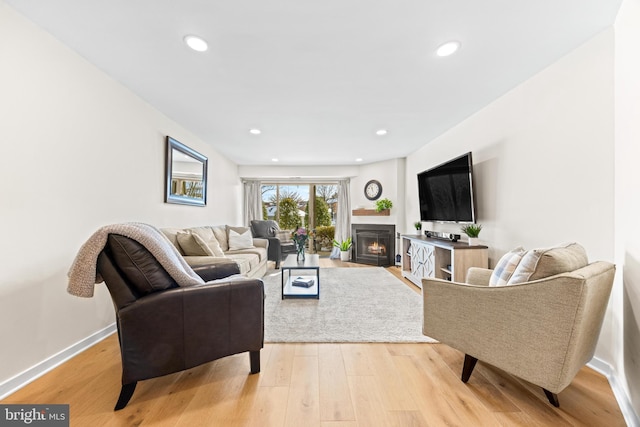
(473, 231)
(418, 225)
(383, 204)
(345, 248)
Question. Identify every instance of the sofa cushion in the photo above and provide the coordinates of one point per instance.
(261, 252)
(506, 266)
(242, 240)
(208, 237)
(142, 271)
(192, 244)
(540, 263)
(245, 261)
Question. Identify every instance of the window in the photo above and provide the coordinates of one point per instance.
(289, 205)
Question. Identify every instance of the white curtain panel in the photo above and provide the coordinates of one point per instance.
(252, 201)
(343, 217)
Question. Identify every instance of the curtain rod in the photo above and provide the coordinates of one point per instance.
(297, 180)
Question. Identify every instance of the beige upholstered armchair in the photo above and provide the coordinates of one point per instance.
(543, 330)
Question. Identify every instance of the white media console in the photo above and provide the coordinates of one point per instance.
(442, 259)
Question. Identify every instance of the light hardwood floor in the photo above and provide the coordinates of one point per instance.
(327, 385)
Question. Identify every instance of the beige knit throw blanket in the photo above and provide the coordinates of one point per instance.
(83, 274)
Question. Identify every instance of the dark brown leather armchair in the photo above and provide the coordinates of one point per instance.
(163, 328)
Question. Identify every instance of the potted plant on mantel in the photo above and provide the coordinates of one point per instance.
(345, 248)
(383, 204)
(473, 231)
(418, 225)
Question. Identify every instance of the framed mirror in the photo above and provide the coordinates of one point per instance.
(186, 175)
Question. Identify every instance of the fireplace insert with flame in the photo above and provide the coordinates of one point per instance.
(373, 244)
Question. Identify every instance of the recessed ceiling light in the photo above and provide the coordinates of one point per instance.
(381, 132)
(255, 131)
(358, 159)
(448, 48)
(274, 160)
(196, 43)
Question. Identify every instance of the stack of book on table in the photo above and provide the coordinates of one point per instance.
(302, 282)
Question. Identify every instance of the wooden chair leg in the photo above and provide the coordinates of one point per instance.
(553, 398)
(254, 358)
(125, 395)
(467, 368)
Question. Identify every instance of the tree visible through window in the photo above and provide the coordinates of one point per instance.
(288, 205)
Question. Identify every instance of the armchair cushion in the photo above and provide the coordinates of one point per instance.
(506, 266)
(540, 263)
(138, 266)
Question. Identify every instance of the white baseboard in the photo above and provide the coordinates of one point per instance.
(630, 417)
(22, 379)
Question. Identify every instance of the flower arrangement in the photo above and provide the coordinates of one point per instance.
(300, 237)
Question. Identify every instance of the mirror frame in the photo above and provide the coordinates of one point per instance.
(173, 144)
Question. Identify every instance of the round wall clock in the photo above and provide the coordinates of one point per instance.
(373, 190)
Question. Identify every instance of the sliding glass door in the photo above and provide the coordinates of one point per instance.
(291, 206)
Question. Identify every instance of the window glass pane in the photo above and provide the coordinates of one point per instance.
(288, 204)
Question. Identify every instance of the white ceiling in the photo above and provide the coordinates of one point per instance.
(320, 77)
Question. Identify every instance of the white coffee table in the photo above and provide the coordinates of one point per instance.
(309, 269)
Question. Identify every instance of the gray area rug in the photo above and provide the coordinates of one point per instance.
(364, 304)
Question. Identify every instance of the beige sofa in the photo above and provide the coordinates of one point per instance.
(221, 244)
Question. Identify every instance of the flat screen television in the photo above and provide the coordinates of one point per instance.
(446, 192)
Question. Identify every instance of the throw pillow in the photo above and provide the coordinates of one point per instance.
(220, 231)
(541, 263)
(506, 266)
(284, 236)
(240, 240)
(208, 238)
(193, 245)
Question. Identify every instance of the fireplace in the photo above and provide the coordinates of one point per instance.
(374, 244)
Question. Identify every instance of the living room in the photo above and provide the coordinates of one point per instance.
(554, 161)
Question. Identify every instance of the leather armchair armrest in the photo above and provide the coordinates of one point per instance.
(210, 272)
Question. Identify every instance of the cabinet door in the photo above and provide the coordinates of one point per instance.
(422, 260)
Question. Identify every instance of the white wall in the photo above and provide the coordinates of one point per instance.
(78, 151)
(543, 158)
(625, 318)
(390, 174)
